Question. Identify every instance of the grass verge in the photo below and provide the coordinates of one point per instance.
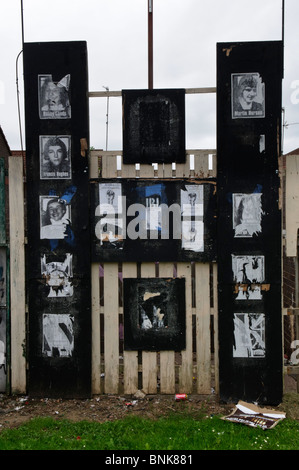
(133, 433)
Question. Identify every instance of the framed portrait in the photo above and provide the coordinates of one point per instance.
(248, 95)
(55, 217)
(54, 97)
(109, 228)
(55, 157)
(192, 210)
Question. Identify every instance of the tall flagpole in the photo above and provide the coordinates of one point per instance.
(22, 22)
(150, 44)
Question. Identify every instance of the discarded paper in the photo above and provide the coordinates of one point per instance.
(255, 416)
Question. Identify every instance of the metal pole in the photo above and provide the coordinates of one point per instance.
(22, 20)
(150, 44)
(107, 116)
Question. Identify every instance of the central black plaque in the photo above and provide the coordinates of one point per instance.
(154, 126)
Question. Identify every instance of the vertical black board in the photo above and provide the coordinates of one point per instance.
(249, 249)
(58, 259)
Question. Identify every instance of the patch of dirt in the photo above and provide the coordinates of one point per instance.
(16, 410)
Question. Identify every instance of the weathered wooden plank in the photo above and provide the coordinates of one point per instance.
(215, 314)
(17, 273)
(183, 169)
(108, 93)
(109, 166)
(203, 346)
(292, 204)
(127, 171)
(147, 171)
(130, 357)
(167, 358)
(2, 203)
(186, 369)
(111, 327)
(94, 170)
(201, 165)
(149, 359)
(96, 330)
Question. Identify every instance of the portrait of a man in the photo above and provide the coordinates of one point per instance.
(248, 96)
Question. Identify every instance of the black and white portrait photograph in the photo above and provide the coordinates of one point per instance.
(58, 335)
(58, 276)
(249, 335)
(247, 214)
(55, 157)
(110, 226)
(110, 197)
(54, 99)
(248, 96)
(192, 208)
(55, 216)
(248, 274)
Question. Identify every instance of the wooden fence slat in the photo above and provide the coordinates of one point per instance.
(111, 327)
(167, 366)
(149, 359)
(109, 166)
(215, 312)
(203, 342)
(17, 275)
(167, 358)
(201, 165)
(183, 169)
(186, 369)
(94, 164)
(147, 171)
(96, 330)
(128, 171)
(2, 203)
(130, 357)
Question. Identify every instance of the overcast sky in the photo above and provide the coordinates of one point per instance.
(185, 36)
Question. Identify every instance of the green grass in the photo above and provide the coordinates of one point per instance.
(174, 432)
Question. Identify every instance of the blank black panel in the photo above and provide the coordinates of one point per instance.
(153, 126)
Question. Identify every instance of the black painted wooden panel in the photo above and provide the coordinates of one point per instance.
(58, 252)
(154, 126)
(249, 77)
(154, 314)
(153, 220)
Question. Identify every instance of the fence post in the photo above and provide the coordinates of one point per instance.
(17, 272)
